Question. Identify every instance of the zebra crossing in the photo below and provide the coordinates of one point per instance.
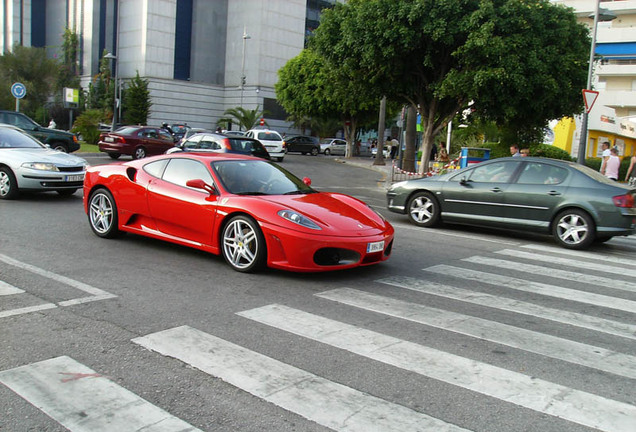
(569, 278)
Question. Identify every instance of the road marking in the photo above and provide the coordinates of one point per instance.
(429, 231)
(596, 256)
(96, 294)
(83, 401)
(586, 265)
(497, 302)
(6, 289)
(554, 273)
(327, 403)
(535, 287)
(503, 334)
(536, 394)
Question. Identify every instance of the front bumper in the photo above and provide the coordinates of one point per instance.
(29, 179)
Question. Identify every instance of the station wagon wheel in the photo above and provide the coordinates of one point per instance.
(140, 153)
(8, 184)
(314, 151)
(423, 209)
(102, 214)
(59, 147)
(573, 229)
(243, 246)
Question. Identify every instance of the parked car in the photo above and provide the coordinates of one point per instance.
(386, 152)
(135, 141)
(303, 144)
(574, 203)
(251, 211)
(179, 130)
(28, 165)
(272, 141)
(234, 132)
(55, 138)
(333, 146)
(193, 131)
(221, 143)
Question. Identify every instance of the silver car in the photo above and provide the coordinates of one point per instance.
(28, 165)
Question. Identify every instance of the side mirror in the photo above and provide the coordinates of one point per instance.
(463, 181)
(307, 181)
(200, 184)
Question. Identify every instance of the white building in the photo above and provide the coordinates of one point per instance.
(192, 52)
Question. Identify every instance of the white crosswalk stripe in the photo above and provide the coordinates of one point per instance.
(83, 401)
(593, 256)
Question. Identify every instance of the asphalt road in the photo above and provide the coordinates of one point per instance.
(462, 329)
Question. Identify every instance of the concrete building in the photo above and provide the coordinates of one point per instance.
(193, 52)
(613, 116)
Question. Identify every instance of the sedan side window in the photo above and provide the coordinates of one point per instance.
(179, 171)
(540, 173)
(494, 173)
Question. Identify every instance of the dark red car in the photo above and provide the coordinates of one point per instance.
(135, 141)
(251, 211)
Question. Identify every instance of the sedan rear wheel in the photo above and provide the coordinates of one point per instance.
(8, 184)
(423, 209)
(114, 155)
(314, 151)
(327, 152)
(573, 229)
(140, 153)
(243, 244)
(102, 214)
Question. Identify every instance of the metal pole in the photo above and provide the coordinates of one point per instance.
(245, 38)
(583, 139)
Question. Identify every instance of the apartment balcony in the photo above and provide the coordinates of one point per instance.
(611, 69)
(618, 99)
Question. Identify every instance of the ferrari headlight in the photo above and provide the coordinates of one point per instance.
(41, 166)
(299, 219)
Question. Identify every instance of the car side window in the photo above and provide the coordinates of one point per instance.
(156, 168)
(179, 171)
(493, 173)
(540, 173)
(164, 135)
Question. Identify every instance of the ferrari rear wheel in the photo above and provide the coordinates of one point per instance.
(244, 246)
(423, 209)
(102, 214)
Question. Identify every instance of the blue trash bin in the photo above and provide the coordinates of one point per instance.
(471, 155)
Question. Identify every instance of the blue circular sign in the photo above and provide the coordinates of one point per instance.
(18, 90)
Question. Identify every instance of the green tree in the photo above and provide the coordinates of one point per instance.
(246, 119)
(137, 101)
(311, 86)
(31, 67)
(521, 63)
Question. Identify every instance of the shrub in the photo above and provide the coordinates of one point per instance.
(87, 124)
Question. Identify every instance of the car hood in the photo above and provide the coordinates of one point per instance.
(335, 213)
(42, 155)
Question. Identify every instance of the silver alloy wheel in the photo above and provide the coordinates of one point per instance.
(422, 209)
(140, 153)
(240, 244)
(5, 184)
(101, 213)
(572, 229)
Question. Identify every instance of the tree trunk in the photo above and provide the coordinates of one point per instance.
(408, 163)
(379, 155)
(350, 136)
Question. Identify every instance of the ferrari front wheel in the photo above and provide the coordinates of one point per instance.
(243, 246)
(102, 214)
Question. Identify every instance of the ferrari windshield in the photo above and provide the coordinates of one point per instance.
(13, 138)
(255, 177)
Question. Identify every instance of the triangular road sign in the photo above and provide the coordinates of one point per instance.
(589, 97)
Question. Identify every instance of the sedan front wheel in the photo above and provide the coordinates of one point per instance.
(573, 229)
(423, 209)
(8, 184)
(243, 246)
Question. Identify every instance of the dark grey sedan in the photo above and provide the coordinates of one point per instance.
(574, 203)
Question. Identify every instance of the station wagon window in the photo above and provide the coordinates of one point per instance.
(179, 171)
(493, 173)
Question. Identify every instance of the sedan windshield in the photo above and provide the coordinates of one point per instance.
(253, 177)
(12, 138)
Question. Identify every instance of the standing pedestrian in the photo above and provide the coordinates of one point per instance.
(514, 150)
(605, 156)
(631, 172)
(613, 164)
(52, 124)
(394, 147)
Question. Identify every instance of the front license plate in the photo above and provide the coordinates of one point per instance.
(75, 178)
(375, 247)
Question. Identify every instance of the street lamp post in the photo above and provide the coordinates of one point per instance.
(245, 38)
(599, 15)
(116, 100)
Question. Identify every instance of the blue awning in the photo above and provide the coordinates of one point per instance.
(618, 50)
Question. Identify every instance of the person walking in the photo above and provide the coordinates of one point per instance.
(612, 166)
(605, 156)
(630, 177)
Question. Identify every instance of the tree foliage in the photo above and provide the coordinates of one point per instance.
(522, 63)
(246, 119)
(137, 101)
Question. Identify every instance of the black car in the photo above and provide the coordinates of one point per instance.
(55, 138)
(303, 144)
(221, 143)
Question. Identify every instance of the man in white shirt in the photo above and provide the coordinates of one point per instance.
(606, 154)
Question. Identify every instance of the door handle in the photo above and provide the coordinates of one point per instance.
(495, 189)
(554, 193)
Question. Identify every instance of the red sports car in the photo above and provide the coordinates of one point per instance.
(250, 210)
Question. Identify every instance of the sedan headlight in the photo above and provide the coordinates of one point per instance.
(41, 166)
(398, 185)
(299, 219)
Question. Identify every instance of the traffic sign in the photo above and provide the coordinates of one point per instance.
(589, 97)
(18, 90)
(262, 121)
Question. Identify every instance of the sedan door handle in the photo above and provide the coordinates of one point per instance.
(495, 189)
(554, 193)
